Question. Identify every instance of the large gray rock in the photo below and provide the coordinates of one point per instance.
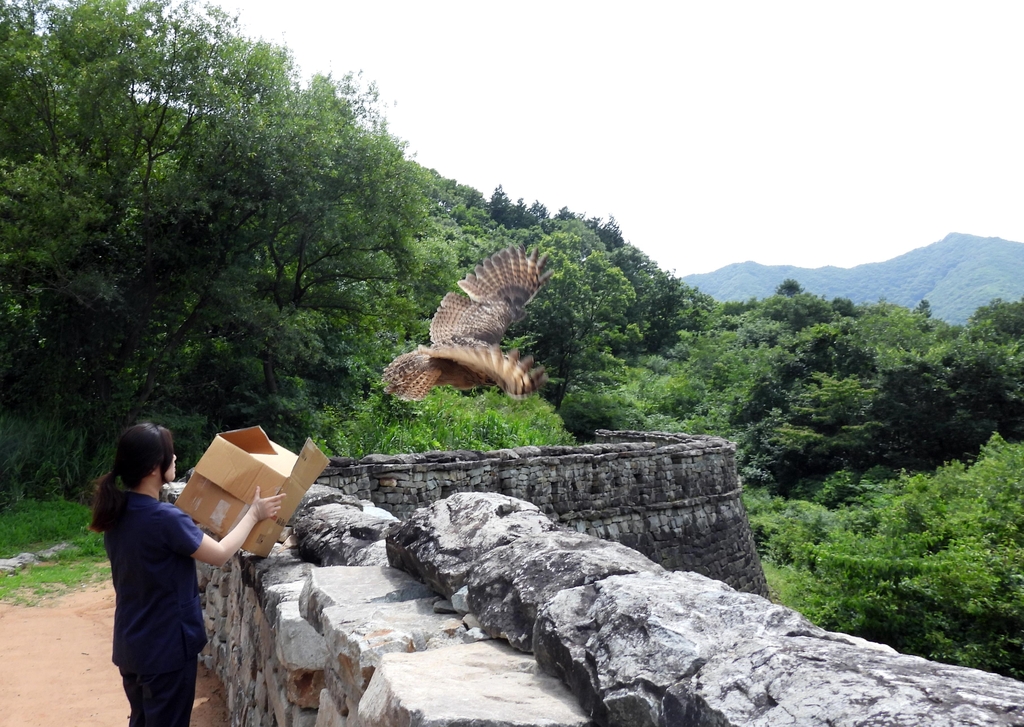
(342, 534)
(355, 587)
(278, 577)
(476, 685)
(318, 495)
(301, 655)
(681, 649)
(365, 613)
(9, 565)
(507, 585)
(439, 543)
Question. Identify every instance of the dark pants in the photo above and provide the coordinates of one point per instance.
(161, 700)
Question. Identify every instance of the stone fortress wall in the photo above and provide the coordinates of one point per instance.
(480, 609)
(673, 497)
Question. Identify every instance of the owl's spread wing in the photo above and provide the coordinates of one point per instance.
(460, 321)
(412, 375)
(513, 375)
(498, 292)
(509, 275)
(465, 333)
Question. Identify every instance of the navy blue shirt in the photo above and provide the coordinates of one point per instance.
(158, 622)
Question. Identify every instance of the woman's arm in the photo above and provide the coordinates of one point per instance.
(218, 553)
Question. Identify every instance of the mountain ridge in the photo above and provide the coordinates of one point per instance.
(956, 275)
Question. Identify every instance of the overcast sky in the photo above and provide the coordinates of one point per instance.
(810, 133)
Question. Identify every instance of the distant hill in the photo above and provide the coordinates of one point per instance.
(955, 275)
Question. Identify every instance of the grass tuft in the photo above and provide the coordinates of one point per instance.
(31, 526)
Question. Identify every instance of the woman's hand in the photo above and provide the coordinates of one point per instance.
(217, 554)
(266, 508)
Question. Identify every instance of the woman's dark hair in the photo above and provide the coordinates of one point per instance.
(140, 449)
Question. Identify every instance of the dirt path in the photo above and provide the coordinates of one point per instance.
(55, 668)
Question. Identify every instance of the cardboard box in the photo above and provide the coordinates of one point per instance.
(224, 482)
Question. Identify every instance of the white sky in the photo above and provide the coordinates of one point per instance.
(802, 133)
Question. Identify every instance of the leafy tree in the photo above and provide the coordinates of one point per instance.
(796, 311)
(664, 305)
(538, 211)
(608, 232)
(515, 216)
(170, 197)
(828, 429)
(788, 288)
(579, 318)
(1000, 321)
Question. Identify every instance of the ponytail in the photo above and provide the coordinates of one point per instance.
(107, 503)
(140, 449)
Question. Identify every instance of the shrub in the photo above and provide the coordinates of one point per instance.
(42, 459)
(444, 420)
(936, 568)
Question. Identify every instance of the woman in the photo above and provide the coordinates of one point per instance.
(153, 546)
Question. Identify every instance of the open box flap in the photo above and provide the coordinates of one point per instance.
(226, 477)
(308, 466)
(251, 439)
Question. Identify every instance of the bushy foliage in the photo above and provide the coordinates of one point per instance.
(584, 412)
(190, 235)
(185, 229)
(42, 459)
(810, 388)
(445, 420)
(930, 564)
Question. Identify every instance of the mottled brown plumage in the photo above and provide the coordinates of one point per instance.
(466, 333)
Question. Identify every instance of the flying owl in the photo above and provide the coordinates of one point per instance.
(465, 333)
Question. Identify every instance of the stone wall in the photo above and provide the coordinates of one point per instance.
(492, 603)
(480, 610)
(673, 497)
(269, 658)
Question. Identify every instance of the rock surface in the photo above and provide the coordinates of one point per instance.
(9, 565)
(342, 534)
(680, 649)
(483, 685)
(348, 646)
(364, 613)
(507, 585)
(318, 495)
(438, 544)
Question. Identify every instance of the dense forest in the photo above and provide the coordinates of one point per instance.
(190, 233)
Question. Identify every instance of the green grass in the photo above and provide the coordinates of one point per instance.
(36, 583)
(447, 420)
(786, 585)
(31, 526)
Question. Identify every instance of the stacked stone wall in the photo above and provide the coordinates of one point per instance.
(673, 497)
(304, 645)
